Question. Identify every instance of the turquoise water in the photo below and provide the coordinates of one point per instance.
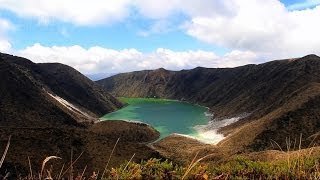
(167, 116)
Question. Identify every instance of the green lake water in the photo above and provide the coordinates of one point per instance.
(167, 116)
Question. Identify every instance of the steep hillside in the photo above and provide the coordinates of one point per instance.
(298, 119)
(281, 97)
(227, 91)
(139, 84)
(52, 109)
(48, 95)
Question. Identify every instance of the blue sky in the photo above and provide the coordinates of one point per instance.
(100, 36)
(118, 35)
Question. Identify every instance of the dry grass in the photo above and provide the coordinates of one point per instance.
(301, 167)
(297, 164)
(5, 152)
(44, 164)
(114, 147)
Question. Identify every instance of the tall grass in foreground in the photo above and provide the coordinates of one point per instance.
(299, 166)
(238, 168)
(302, 167)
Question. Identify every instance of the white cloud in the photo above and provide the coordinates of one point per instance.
(5, 46)
(5, 26)
(264, 27)
(238, 58)
(102, 60)
(79, 12)
(94, 12)
(156, 9)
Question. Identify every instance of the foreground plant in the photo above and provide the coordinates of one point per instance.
(156, 169)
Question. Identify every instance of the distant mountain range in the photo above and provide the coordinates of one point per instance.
(282, 97)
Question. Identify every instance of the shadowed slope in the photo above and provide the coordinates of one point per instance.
(50, 109)
(40, 94)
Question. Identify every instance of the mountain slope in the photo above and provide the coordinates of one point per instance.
(227, 91)
(52, 109)
(48, 95)
(280, 96)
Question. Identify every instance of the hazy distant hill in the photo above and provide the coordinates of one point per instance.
(282, 97)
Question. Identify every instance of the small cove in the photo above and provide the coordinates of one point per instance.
(168, 117)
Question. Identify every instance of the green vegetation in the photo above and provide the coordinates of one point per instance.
(300, 166)
(237, 168)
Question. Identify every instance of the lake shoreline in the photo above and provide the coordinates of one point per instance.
(198, 130)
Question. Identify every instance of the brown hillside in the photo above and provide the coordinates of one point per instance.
(50, 109)
(94, 144)
(281, 96)
(227, 91)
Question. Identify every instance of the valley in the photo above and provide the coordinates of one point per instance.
(253, 111)
(278, 99)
